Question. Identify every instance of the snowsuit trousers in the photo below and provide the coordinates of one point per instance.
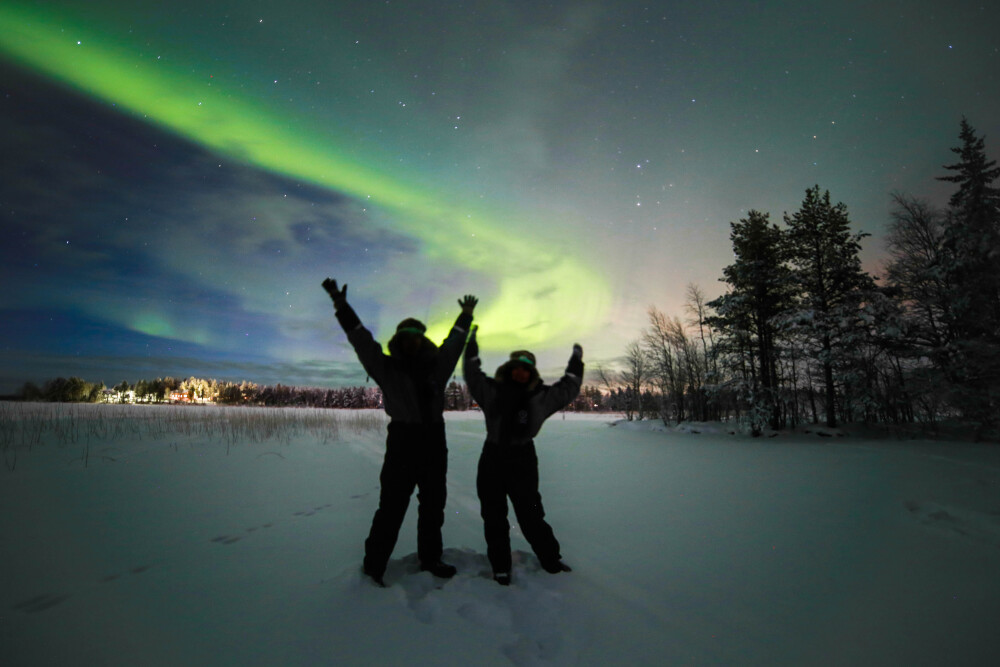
(512, 471)
(415, 456)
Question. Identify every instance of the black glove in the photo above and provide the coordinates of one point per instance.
(468, 303)
(472, 348)
(575, 365)
(339, 296)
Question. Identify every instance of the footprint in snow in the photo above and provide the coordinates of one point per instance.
(40, 603)
(46, 601)
(527, 615)
(982, 527)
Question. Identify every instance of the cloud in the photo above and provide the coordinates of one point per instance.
(453, 231)
(173, 242)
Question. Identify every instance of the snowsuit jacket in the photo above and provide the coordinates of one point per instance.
(542, 400)
(409, 397)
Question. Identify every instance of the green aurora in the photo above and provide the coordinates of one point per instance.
(540, 298)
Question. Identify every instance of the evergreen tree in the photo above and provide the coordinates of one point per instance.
(824, 254)
(972, 237)
(746, 319)
(972, 256)
(31, 392)
(122, 390)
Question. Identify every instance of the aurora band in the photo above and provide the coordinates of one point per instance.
(544, 297)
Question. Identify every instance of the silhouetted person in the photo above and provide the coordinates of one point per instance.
(515, 402)
(413, 377)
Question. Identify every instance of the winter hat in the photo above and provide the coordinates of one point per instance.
(411, 325)
(406, 329)
(523, 357)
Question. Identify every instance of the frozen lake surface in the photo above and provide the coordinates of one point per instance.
(147, 541)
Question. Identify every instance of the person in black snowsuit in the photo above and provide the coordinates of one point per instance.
(515, 403)
(412, 377)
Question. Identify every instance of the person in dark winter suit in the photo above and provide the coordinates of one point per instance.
(515, 403)
(412, 377)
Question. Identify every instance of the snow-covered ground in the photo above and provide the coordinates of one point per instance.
(162, 545)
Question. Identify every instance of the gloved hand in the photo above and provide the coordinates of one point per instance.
(577, 351)
(468, 303)
(472, 347)
(339, 296)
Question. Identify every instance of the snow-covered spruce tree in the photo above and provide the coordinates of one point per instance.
(760, 290)
(972, 256)
(877, 384)
(826, 268)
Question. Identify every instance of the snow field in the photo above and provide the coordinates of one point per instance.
(687, 548)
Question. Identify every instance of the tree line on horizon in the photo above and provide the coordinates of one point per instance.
(223, 392)
(804, 335)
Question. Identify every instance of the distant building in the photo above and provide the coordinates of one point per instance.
(184, 397)
(115, 396)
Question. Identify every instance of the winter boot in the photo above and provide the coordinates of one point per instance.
(556, 566)
(502, 578)
(439, 569)
(376, 577)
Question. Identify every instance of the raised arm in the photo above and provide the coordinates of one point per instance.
(345, 314)
(369, 351)
(567, 387)
(451, 348)
(480, 386)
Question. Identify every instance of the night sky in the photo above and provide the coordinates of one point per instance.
(178, 178)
